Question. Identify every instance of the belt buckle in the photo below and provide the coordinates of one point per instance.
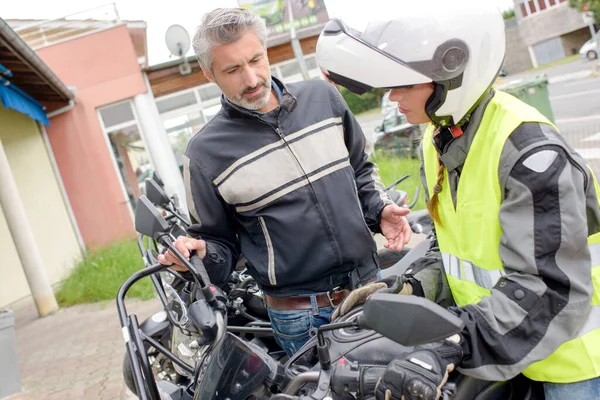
(330, 299)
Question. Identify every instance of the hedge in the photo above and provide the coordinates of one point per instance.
(364, 102)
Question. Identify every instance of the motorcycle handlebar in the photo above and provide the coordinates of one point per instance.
(352, 378)
(349, 378)
(196, 261)
(369, 377)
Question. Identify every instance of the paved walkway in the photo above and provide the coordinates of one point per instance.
(76, 353)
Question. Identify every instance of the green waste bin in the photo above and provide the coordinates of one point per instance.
(533, 92)
(10, 380)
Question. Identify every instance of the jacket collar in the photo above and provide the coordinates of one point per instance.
(288, 103)
(455, 152)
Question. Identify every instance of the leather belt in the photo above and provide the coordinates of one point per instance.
(329, 299)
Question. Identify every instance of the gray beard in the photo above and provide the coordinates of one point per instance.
(257, 103)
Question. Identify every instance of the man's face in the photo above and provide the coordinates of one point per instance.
(241, 69)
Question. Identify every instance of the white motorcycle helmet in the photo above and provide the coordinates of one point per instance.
(458, 45)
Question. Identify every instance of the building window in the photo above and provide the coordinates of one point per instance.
(131, 160)
(117, 114)
(311, 63)
(176, 102)
(289, 69)
(531, 7)
(523, 10)
(542, 4)
(209, 92)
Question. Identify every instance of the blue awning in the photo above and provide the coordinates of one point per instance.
(15, 98)
(5, 71)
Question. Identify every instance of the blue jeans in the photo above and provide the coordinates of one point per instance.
(293, 328)
(584, 390)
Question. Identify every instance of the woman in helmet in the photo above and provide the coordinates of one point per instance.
(516, 211)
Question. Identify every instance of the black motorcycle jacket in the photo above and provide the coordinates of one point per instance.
(291, 189)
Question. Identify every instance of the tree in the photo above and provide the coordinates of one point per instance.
(508, 14)
(587, 5)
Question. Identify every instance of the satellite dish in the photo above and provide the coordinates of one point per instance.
(178, 40)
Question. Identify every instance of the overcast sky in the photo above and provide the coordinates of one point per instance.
(158, 15)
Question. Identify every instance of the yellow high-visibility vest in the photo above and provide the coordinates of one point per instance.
(469, 236)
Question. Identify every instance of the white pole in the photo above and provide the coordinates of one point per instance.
(296, 48)
(25, 243)
(158, 144)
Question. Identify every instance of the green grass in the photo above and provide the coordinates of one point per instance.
(393, 168)
(372, 111)
(100, 274)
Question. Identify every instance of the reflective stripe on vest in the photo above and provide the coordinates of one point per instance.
(469, 236)
(469, 272)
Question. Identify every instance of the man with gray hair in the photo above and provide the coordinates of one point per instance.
(280, 174)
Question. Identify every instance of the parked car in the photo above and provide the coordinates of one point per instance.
(386, 104)
(590, 48)
(396, 135)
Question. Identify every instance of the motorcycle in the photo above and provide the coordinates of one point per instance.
(176, 292)
(246, 305)
(344, 360)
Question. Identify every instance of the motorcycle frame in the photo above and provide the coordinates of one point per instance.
(135, 338)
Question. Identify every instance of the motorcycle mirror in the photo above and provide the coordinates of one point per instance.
(155, 193)
(148, 220)
(408, 320)
(156, 178)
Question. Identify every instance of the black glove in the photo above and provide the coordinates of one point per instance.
(391, 284)
(419, 375)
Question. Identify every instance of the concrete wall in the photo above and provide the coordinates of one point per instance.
(517, 57)
(103, 67)
(44, 205)
(549, 23)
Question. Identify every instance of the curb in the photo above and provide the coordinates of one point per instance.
(570, 77)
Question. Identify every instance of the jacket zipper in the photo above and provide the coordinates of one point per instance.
(337, 251)
(270, 252)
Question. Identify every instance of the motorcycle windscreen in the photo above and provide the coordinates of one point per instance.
(234, 371)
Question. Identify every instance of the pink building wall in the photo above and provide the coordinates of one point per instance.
(103, 67)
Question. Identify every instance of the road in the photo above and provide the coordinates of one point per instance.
(576, 106)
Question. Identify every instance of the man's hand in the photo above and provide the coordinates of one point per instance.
(185, 245)
(395, 227)
(421, 374)
(392, 284)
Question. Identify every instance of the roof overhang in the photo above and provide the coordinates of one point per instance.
(29, 72)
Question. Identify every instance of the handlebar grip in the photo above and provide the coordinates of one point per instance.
(196, 261)
(369, 376)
